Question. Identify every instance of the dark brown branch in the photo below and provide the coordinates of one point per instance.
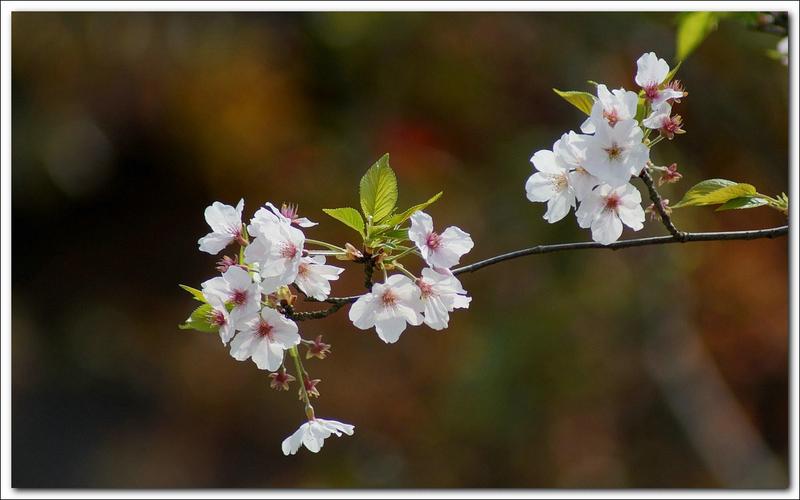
(656, 240)
(658, 205)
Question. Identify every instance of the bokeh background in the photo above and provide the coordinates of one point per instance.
(653, 367)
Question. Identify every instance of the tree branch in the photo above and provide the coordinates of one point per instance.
(658, 205)
(656, 240)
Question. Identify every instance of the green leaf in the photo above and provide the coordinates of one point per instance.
(197, 294)
(581, 100)
(348, 216)
(672, 73)
(743, 202)
(378, 190)
(199, 320)
(396, 234)
(714, 192)
(693, 28)
(400, 218)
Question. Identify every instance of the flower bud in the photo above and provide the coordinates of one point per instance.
(318, 349)
(670, 175)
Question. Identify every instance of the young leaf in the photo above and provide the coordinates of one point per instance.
(197, 294)
(743, 202)
(693, 28)
(402, 217)
(348, 216)
(378, 190)
(581, 100)
(714, 192)
(396, 234)
(672, 73)
(199, 320)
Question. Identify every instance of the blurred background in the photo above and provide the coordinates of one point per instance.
(653, 367)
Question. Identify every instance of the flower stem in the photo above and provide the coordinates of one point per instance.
(405, 271)
(326, 245)
(298, 365)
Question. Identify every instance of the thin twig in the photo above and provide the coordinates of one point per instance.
(659, 207)
(640, 242)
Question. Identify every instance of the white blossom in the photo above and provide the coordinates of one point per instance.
(783, 50)
(389, 307)
(651, 73)
(441, 294)
(312, 435)
(277, 248)
(440, 251)
(611, 107)
(220, 317)
(263, 338)
(234, 287)
(314, 277)
(226, 226)
(658, 116)
(550, 184)
(614, 154)
(607, 208)
(289, 214)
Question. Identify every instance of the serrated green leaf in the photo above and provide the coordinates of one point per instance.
(743, 202)
(693, 28)
(197, 294)
(581, 100)
(348, 216)
(714, 192)
(199, 320)
(402, 217)
(378, 190)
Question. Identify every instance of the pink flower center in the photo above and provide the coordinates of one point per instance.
(264, 329)
(425, 287)
(288, 250)
(302, 270)
(611, 116)
(239, 297)
(388, 298)
(612, 202)
(433, 241)
(217, 318)
(289, 211)
(651, 92)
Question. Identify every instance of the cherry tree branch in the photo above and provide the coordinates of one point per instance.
(682, 237)
(658, 205)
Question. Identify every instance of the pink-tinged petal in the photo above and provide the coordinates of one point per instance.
(436, 314)
(260, 354)
(540, 187)
(457, 240)
(241, 345)
(558, 206)
(545, 161)
(362, 312)
(389, 329)
(606, 228)
(213, 243)
(633, 217)
(221, 217)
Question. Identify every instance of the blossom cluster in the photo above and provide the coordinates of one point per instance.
(591, 171)
(250, 304)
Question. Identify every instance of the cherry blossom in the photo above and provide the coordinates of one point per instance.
(277, 248)
(289, 214)
(440, 251)
(312, 435)
(550, 184)
(440, 294)
(614, 154)
(612, 107)
(388, 308)
(234, 287)
(660, 119)
(651, 75)
(314, 277)
(226, 227)
(221, 318)
(263, 338)
(607, 208)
